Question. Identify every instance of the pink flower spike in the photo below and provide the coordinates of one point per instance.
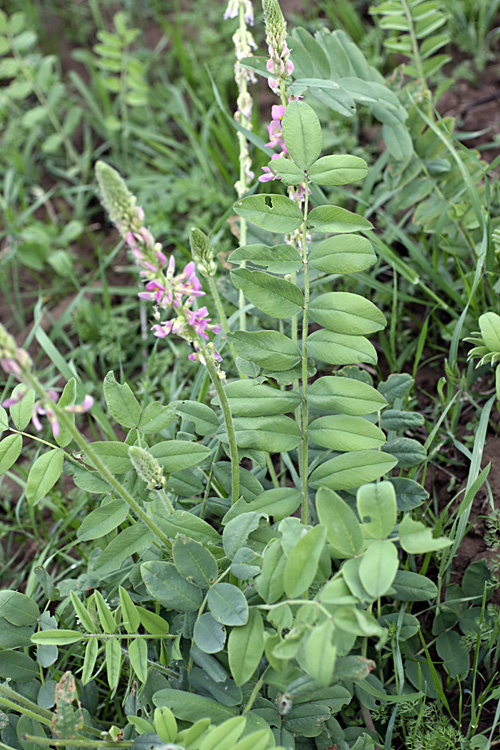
(130, 240)
(270, 66)
(35, 421)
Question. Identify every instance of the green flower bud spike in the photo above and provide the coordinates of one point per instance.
(202, 252)
(117, 198)
(275, 23)
(149, 470)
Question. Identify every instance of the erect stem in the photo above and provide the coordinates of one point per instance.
(303, 450)
(228, 420)
(242, 185)
(222, 315)
(89, 452)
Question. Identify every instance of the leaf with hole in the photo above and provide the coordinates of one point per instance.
(377, 509)
(276, 213)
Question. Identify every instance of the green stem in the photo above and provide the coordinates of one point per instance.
(220, 311)
(303, 464)
(89, 452)
(414, 43)
(242, 187)
(84, 742)
(228, 420)
(255, 691)
(166, 502)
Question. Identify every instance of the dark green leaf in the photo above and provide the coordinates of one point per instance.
(128, 542)
(227, 604)
(245, 647)
(343, 530)
(248, 398)
(345, 433)
(10, 449)
(342, 254)
(344, 395)
(208, 634)
(338, 170)
(280, 259)
(169, 588)
(103, 520)
(176, 455)
(194, 562)
(302, 563)
(269, 349)
(43, 475)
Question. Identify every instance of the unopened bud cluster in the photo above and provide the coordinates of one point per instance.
(279, 64)
(147, 467)
(202, 252)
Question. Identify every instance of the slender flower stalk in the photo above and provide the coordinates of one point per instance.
(168, 292)
(243, 45)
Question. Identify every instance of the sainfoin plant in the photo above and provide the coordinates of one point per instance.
(253, 552)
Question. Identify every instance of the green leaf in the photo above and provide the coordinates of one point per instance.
(21, 412)
(205, 420)
(409, 494)
(245, 647)
(412, 587)
(416, 538)
(208, 634)
(105, 617)
(113, 655)
(302, 563)
(268, 349)
(395, 419)
(344, 395)
(165, 724)
(306, 718)
(271, 434)
(194, 562)
(338, 170)
(489, 324)
(454, 654)
(269, 584)
(340, 349)
(378, 567)
(342, 254)
(17, 608)
(103, 520)
(90, 481)
(152, 623)
(4, 420)
(248, 398)
(408, 452)
(343, 312)
(128, 542)
(396, 386)
(169, 588)
(351, 470)
(82, 614)
(19, 667)
(377, 509)
(320, 654)
(398, 141)
(277, 503)
(60, 637)
(43, 475)
(176, 455)
(227, 604)
(130, 615)
(343, 530)
(155, 417)
(138, 655)
(68, 397)
(302, 134)
(335, 219)
(280, 259)
(10, 449)
(225, 736)
(276, 213)
(188, 706)
(184, 522)
(89, 660)
(236, 532)
(345, 433)
(274, 296)
(288, 172)
(114, 455)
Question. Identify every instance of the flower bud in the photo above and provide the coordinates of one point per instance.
(202, 252)
(117, 198)
(275, 24)
(147, 467)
